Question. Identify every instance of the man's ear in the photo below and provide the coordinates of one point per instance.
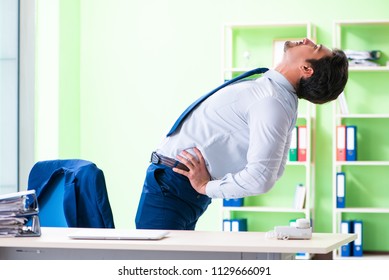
(306, 71)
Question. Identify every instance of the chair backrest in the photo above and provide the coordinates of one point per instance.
(71, 193)
(51, 206)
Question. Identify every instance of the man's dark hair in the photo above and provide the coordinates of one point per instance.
(328, 80)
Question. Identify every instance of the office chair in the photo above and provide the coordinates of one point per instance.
(71, 193)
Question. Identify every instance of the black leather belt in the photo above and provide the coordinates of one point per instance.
(160, 159)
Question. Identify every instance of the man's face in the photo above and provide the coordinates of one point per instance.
(301, 51)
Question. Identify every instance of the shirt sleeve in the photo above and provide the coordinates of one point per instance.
(269, 126)
(285, 156)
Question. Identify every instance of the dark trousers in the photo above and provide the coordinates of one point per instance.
(168, 201)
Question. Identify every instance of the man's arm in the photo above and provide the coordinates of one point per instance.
(198, 174)
(269, 124)
(269, 127)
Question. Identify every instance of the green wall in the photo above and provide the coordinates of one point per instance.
(69, 82)
(128, 68)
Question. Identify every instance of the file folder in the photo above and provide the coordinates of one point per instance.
(19, 214)
(341, 143)
(346, 250)
(340, 190)
(233, 202)
(302, 143)
(358, 243)
(235, 225)
(226, 225)
(351, 143)
(293, 145)
(239, 225)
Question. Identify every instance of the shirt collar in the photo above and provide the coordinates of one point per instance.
(280, 79)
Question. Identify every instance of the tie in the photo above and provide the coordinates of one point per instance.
(202, 98)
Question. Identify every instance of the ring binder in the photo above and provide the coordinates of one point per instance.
(19, 215)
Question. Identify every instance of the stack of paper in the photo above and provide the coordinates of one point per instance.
(363, 55)
(16, 210)
(363, 58)
(11, 226)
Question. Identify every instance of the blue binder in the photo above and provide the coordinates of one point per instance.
(351, 143)
(239, 225)
(340, 190)
(226, 225)
(358, 243)
(346, 250)
(233, 202)
(235, 225)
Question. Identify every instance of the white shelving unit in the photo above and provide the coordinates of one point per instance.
(345, 31)
(251, 58)
(240, 56)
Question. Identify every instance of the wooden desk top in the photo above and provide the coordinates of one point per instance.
(195, 241)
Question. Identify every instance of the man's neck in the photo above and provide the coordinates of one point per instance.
(290, 74)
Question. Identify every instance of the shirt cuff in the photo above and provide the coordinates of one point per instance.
(213, 189)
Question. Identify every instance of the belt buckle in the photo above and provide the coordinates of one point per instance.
(155, 158)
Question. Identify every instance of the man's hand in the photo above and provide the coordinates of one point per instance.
(198, 174)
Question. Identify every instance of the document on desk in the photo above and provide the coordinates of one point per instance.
(118, 234)
(17, 211)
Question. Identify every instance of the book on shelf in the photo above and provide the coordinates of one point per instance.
(358, 243)
(351, 143)
(345, 227)
(341, 143)
(346, 143)
(293, 145)
(235, 225)
(299, 197)
(302, 143)
(354, 248)
(19, 214)
(298, 144)
(233, 202)
(340, 190)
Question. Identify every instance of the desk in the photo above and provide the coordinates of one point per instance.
(178, 245)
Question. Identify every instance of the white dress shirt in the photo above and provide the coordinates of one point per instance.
(244, 133)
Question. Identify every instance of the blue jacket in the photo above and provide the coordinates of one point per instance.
(86, 202)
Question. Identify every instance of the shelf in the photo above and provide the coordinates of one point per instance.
(368, 69)
(367, 89)
(264, 209)
(362, 210)
(298, 163)
(362, 163)
(364, 257)
(362, 22)
(303, 116)
(362, 116)
(268, 24)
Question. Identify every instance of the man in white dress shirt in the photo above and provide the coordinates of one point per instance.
(235, 143)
